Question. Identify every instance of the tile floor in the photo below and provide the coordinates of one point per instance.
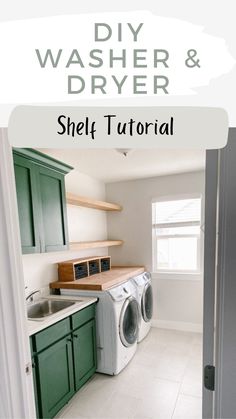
(162, 381)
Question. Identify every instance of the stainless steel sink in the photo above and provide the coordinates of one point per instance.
(44, 308)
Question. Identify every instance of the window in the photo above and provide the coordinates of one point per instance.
(176, 235)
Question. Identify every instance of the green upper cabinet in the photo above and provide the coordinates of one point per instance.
(53, 210)
(26, 189)
(41, 201)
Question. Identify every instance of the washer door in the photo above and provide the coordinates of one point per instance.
(147, 303)
(129, 322)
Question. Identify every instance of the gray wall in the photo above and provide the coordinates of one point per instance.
(178, 299)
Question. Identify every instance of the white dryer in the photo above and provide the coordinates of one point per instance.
(117, 325)
(145, 300)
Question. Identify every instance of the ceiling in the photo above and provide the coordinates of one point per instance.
(108, 165)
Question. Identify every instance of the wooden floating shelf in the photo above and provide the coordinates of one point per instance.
(91, 203)
(95, 244)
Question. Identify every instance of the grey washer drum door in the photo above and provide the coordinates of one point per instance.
(129, 322)
(147, 303)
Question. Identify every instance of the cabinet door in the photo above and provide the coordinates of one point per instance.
(53, 221)
(56, 379)
(85, 355)
(27, 200)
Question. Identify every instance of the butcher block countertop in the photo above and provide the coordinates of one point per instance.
(103, 280)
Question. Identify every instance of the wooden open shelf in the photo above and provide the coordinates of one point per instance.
(100, 205)
(91, 203)
(95, 244)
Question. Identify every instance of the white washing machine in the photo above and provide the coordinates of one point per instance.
(117, 325)
(145, 300)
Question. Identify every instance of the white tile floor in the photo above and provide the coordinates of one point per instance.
(162, 381)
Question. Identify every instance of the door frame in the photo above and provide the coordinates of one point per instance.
(225, 356)
(209, 283)
(17, 394)
(219, 337)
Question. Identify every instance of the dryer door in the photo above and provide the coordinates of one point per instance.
(129, 322)
(147, 303)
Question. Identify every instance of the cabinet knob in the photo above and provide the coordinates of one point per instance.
(75, 336)
(69, 340)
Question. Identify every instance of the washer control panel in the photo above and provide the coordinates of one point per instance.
(121, 292)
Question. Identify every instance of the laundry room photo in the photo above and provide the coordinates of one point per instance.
(112, 244)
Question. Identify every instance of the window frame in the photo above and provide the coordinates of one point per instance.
(176, 272)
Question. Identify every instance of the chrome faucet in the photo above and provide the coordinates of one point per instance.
(30, 296)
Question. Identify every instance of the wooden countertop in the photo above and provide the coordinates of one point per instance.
(103, 280)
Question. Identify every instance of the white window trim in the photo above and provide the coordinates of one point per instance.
(170, 272)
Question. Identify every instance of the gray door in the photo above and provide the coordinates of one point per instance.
(220, 276)
(211, 193)
(225, 393)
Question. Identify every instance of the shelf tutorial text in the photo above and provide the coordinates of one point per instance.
(112, 126)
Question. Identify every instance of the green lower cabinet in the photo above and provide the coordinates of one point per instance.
(56, 378)
(64, 358)
(84, 347)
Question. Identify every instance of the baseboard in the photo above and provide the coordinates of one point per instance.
(183, 326)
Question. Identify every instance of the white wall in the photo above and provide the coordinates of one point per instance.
(84, 224)
(178, 301)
